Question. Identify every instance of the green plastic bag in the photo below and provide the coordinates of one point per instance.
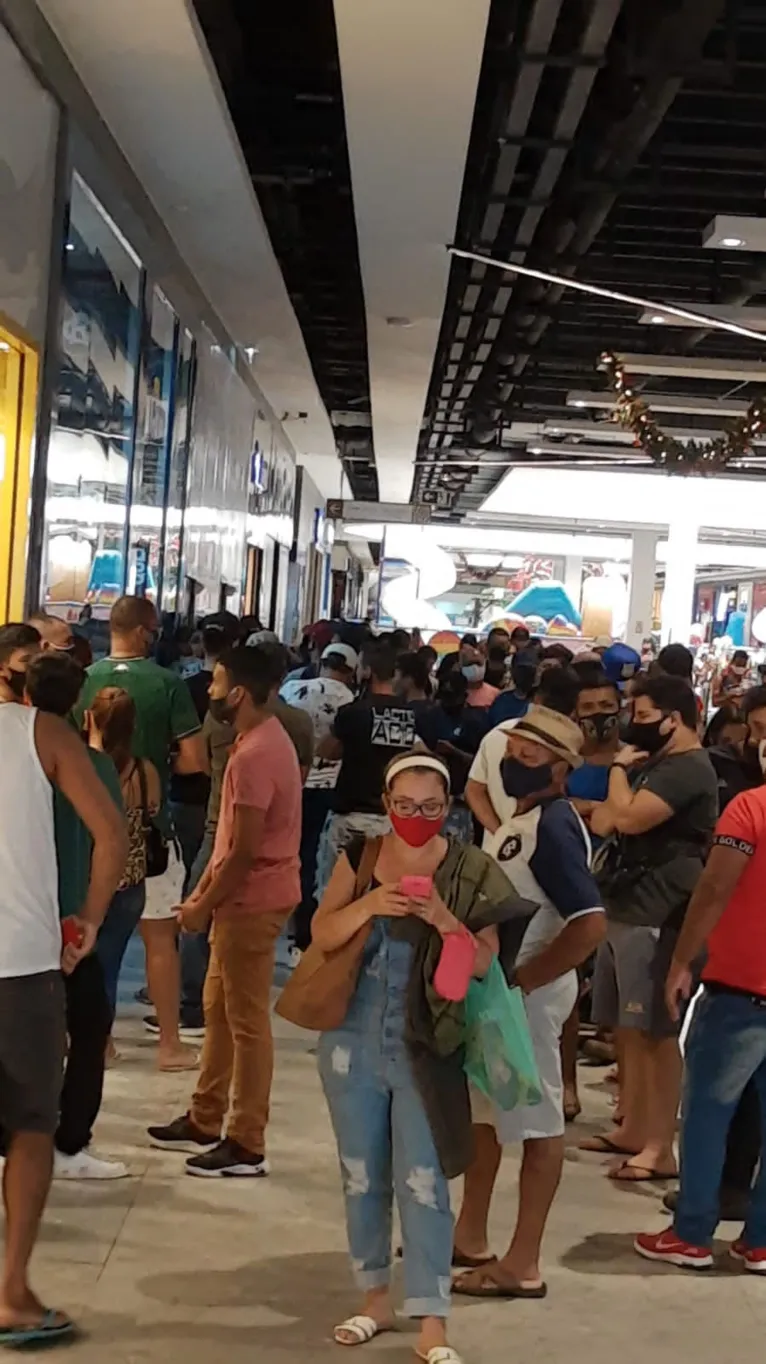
(500, 1058)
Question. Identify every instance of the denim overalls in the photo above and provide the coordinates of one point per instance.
(384, 1138)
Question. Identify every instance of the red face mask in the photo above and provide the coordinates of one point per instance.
(415, 830)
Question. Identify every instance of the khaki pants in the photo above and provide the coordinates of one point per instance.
(238, 1053)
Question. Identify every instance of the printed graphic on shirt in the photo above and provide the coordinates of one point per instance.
(393, 728)
(509, 848)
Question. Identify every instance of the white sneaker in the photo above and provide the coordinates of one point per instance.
(86, 1166)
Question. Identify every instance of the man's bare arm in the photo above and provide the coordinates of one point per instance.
(477, 799)
(227, 878)
(713, 891)
(191, 755)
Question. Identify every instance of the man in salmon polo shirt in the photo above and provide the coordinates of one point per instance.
(249, 890)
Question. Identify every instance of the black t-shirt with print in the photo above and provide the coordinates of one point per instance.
(372, 730)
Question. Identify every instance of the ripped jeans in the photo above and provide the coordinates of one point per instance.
(385, 1144)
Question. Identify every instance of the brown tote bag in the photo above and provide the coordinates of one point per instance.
(319, 991)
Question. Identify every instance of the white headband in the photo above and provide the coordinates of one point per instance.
(413, 760)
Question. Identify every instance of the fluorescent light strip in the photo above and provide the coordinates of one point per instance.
(698, 319)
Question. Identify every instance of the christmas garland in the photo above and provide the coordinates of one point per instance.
(690, 457)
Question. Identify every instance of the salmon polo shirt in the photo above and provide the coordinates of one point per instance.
(263, 773)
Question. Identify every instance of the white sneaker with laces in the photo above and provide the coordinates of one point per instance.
(86, 1166)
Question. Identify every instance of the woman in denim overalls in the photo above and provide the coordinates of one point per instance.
(385, 1143)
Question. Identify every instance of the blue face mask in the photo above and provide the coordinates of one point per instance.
(520, 781)
(473, 672)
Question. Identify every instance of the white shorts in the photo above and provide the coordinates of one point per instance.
(547, 1011)
(163, 893)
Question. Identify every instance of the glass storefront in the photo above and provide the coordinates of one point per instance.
(117, 459)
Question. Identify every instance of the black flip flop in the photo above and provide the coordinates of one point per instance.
(644, 1176)
(607, 1147)
(52, 1326)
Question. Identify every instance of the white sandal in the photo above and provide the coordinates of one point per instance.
(364, 1329)
(440, 1354)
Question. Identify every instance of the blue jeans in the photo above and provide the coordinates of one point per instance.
(194, 949)
(316, 807)
(725, 1049)
(120, 922)
(385, 1144)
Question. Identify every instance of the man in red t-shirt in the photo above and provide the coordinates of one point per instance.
(250, 888)
(726, 1046)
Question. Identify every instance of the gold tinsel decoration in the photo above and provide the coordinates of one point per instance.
(688, 457)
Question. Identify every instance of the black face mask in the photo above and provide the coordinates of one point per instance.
(16, 681)
(648, 737)
(600, 728)
(221, 711)
(521, 781)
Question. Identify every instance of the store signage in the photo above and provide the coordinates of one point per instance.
(335, 507)
(142, 568)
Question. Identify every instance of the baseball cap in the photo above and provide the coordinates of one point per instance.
(349, 655)
(620, 663)
(261, 637)
(602, 642)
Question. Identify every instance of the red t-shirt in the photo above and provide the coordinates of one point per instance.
(737, 945)
(263, 772)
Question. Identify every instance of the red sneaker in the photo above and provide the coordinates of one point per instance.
(753, 1258)
(668, 1247)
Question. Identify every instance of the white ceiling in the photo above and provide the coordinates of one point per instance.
(146, 66)
(410, 70)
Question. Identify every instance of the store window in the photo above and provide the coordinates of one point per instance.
(92, 431)
(178, 475)
(151, 466)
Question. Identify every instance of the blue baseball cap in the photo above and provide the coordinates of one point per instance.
(620, 663)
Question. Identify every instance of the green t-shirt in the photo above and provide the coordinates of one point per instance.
(164, 707)
(74, 845)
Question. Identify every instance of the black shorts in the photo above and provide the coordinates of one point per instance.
(32, 1050)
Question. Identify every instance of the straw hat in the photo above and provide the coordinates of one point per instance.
(554, 731)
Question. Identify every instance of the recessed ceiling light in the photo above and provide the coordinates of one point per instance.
(732, 241)
(70, 246)
(535, 450)
(579, 402)
(399, 321)
(657, 317)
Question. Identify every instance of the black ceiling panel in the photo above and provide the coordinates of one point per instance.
(279, 68)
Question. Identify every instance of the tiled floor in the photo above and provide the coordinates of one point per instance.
(161, 1267)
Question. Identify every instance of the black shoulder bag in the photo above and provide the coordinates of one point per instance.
(157, 850)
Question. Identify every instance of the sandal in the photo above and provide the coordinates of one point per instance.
(52, 1326)
(602, 1145)
(490, 1283)
(440, 1354)
(362, 1328)
(643, 1174)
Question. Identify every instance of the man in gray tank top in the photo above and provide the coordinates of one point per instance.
(38, 751)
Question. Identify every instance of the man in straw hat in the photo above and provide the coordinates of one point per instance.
(543, 847)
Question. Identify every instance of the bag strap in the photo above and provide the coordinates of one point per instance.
(366, 866)
(145, 817)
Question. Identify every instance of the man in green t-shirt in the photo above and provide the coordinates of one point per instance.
(53, 684)
(169, 735)
(167, 726)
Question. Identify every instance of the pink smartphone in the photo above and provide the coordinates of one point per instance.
(456, 963)
(419, 887)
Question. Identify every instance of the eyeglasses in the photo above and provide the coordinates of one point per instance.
(430, 809)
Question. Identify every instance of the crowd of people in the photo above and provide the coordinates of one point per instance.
(369, 802)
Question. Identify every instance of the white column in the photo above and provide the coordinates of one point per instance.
(678, 597)
(573, 578)
(642, 574)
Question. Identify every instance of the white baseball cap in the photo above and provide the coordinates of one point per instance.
(350, 655)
